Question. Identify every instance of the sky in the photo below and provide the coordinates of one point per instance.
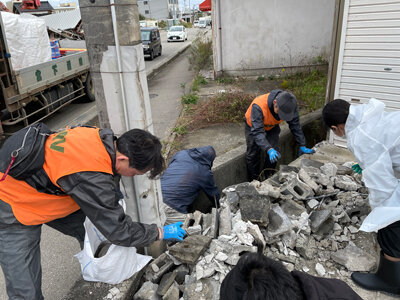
(55, 3)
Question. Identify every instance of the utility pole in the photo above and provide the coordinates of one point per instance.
(174, 7)
(113, 42)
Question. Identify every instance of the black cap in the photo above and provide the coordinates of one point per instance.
(287, 104)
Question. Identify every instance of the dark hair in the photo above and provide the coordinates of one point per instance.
(257, 277)
(143, 150)
(336, 112)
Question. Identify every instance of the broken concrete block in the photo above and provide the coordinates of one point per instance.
(210, 223)
(306, 247)
(279, 222)
(297, 189)
(232, 259)
(345, 182)
(317, 218)
(329, 169)
(292, 208)
(320, 269)
(166, 281)
(287, 172)
(311, 163)
(209, 291)
(148, 290)
(181, 273)
(343, 170)
(269, 190)
(197, 216)
(255, 231)
(194, 230)
(221, 256)
(354, 259)
(289, 239)
(189, 221)
(163, 264)
(253, 206)
(172, 293)
(312, 203)
(240, 229)
(191, 248)
(225, 221)
(303, 175)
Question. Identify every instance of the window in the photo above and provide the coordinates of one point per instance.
(145, 2)
(146, 12)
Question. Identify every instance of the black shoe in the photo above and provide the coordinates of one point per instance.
(386, 279)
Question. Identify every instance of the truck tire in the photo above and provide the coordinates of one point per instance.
(151, 55)
(89, 88)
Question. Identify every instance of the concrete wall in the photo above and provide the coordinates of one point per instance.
(158, 9)
(254, 35)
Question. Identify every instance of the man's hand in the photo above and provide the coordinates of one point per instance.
(356, 168)
(273, 155)
(174, 232)
(305, 150)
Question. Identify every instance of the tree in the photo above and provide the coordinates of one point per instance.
(141, 17)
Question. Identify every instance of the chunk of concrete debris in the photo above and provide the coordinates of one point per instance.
(306, 247)
(163, 265)
(312, 203)
(318, 218)
(191, 248)
(354, 259)
(303, 175)
(240, 229)
(166, 281)
(279, 222)
(181, 273)
(194, 230)
(210, 223)
(268, 189)
(292, 209)
(253, 206)
(329, 169)
(345, 182)
(209, 290)
(320, 269)
(172, 293)
(297, 189)
(148, 290)
(221, 256)
(225, 221)
(255, 231)
(311, 163)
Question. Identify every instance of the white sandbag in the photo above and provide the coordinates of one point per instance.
(27, 39)
(117, 265)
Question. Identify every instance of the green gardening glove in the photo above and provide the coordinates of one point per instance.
(356, 168)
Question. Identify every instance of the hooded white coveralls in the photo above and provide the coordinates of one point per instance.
(373, 136)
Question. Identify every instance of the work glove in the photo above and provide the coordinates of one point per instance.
(356, 168)
(174, 232)
(305, 150)
(273, 155)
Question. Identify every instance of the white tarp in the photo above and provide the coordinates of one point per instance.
(27, 40)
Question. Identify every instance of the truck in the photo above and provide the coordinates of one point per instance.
(204, 21)
(30, 94)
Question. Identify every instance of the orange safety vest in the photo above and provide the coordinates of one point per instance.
(269, 120)
(70, 151)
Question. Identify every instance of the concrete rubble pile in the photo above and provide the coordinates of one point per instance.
(306, 217)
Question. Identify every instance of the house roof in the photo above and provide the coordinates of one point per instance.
(44, 7)
(63, 20)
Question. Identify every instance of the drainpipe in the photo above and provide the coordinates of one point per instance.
(220, 36)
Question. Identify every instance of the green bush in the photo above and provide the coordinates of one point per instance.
(199, 79)
(162, 24)
(141, 17)
(180, 130)
(260, 78)
(200, 54)
(186, 24)
(225, 80)
(189, 99)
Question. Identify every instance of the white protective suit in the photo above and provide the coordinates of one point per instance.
(373, 136)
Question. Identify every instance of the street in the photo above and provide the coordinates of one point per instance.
(60, 269)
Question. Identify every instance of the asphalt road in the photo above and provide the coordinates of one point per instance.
(60, 268)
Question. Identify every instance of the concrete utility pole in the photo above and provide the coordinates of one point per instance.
(113, 41)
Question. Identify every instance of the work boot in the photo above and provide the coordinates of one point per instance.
(386, 279)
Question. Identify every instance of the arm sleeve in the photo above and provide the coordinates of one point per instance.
(97, 196)
(295, 128)
(257, 128)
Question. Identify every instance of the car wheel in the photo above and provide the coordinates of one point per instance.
(151, 55)
(159, 53)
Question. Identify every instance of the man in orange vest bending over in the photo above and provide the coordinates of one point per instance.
(75, 182)
(262, 130)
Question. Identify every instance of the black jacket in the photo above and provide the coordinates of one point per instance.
(97, 195)
(257, 123)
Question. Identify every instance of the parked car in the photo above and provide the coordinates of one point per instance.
(177, 33)
(202, 23)
(196, 24)
(151, 41)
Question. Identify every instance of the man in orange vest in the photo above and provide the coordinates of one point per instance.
(262, 130)
(77, 180)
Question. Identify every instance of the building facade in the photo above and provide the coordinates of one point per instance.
(158, 9)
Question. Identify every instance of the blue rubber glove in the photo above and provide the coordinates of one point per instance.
(174, 232)
(273, 155)
(305, 150)
(356, 168)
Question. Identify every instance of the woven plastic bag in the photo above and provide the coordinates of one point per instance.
(117, 265)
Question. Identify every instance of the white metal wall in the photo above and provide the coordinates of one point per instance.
(369, 57)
